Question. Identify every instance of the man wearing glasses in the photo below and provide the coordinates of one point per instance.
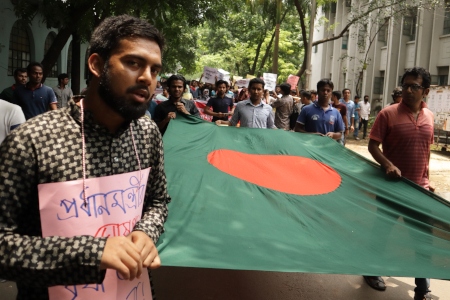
(405, 131)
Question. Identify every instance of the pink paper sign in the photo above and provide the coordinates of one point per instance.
(293, 81)
(113, 206)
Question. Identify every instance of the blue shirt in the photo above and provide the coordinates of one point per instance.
(34, 102)
(315, 119)
(259, 116)
(350, 110)
(357, 111)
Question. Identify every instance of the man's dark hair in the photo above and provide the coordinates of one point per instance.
(346, 89)
(313, 92)
(19, 70)
(256, 81)
(357, 97)
(366, 96)
(174, 78)
(397, 92)
(337, 94)
(323, 82)
(165, 88)
(112, 30)
(285, 88)
(419, 72)
(34, 64)
(219, 82)
(306, 94)
(62, 76)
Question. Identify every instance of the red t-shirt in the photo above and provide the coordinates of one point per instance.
(406, 141)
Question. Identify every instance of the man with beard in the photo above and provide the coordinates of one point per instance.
(252, 113)
(35, 98)
(167, 110)
(20, 78)
(284, 107)
(221, 104)
(76, 148)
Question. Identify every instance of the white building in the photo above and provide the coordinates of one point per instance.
(21, 44)
(420, 37)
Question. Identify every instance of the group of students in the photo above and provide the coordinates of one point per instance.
(104, 136)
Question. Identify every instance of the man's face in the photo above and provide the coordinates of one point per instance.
(303, 99)
(194, 83)
(21, 78)
(65, 81)
(256, 91)
(35, 75)
(397, 99)
(221, 90)
(313, 97)
(412, 90)
(278, 90)
(366, 99)
(356, 100)
(165, 93)
(128, 79)
(176, 89)
(346, 94)
(324, 93)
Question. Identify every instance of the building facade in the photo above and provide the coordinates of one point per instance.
(371, 58)
(22, 43)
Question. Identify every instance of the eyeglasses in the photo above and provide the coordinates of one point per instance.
(414, 87)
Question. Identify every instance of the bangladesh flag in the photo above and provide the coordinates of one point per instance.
(260, 199)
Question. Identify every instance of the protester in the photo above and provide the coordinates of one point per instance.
(350, 124)
(11, 116)
(252, 113)
(320, 117)
(396, 95)
(313, 95)
(20, 78)
(284, 107)
(164, 95)
(405, 132)
(102, 139)
(34, 98)
(365, 113)
(166, 111)
(356, 117)
(222, 106)
(63, 92)
(335, 96)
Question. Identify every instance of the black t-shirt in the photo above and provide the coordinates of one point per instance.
(165, 107)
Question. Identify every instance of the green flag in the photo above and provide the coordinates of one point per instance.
(262, 199)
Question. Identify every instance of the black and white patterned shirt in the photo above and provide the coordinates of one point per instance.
(48, 148)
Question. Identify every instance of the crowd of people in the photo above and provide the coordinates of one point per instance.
(107, 132)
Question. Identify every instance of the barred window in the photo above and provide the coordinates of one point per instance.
(19, 47)
(409, 24)
(345, 42)
(48, 43)
(447, 18)
(378, 85)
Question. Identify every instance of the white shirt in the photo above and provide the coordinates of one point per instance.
(365, 110)
(11, 116)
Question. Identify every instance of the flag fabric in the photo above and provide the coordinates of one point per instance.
(274, 200)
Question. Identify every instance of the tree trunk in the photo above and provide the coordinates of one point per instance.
(301, 15)
(258, 50)
(76, 63)
(275, 50)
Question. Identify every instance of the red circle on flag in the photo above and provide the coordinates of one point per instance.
(283, 173)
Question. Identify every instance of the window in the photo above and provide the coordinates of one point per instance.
(447, 18)
(378, 85)
(383, 31)
(348, 3)
(69, 59)
(333, 7)
(345, 42)
(441, 78)
(315, 48)
(48, 42)
(409, 25)
(19, 47)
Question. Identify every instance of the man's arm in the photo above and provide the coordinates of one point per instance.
(208, 111)
(53, 106)
(391, 170)
(299, 127)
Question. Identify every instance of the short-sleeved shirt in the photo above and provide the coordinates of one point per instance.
(357, 110)
(165, 107)
(316, 119)
(7, 94)
(63, 95)
(220, 105)
(350, 110)
(284, 108)
(253, 116)
(11, 116)
(34, 102)
(406, 141)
